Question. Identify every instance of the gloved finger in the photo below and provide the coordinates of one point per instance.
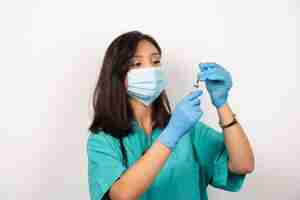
(197, 110)
(214, 74)
(217, 76)
(205, 66)
(196, 102)
(201, 76)
(211, 68)
(195, 94)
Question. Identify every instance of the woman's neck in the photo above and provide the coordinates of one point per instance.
(143, 115)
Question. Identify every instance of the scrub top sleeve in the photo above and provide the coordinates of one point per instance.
(213, 157)
(104, 165)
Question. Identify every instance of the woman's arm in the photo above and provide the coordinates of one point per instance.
(135, 181)
(241, 158)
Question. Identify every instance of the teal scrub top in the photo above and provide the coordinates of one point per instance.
(199, 159)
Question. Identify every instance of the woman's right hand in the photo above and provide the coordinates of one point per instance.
(187, 112)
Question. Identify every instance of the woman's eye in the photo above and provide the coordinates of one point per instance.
(137, 64)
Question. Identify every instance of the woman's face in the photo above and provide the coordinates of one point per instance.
(146, 55)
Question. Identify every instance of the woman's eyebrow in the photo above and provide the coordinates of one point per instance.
(153, 54)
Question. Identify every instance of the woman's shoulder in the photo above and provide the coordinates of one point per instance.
(203, 132)
(203, 127)
(100, 138)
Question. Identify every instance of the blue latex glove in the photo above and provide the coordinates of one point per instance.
(218, 82)
(186, 114)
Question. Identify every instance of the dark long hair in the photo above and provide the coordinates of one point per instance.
(112, 111)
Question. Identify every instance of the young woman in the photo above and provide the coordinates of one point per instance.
(138, 149)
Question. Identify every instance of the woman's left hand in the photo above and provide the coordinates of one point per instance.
(218, 82)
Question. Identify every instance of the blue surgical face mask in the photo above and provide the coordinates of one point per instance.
(146, 83)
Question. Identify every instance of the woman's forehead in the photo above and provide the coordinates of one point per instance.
(146, 48)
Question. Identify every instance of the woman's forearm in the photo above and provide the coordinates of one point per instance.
(135, 181)
(241, 157)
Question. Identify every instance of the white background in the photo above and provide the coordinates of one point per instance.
(50, 58)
